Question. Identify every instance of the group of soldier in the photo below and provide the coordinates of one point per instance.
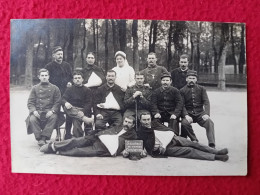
(121, 105)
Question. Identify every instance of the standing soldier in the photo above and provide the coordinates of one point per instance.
(61, 76)
(153, 72)
(179, 74)
(93, 77)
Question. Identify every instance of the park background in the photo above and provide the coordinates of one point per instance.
(217, 50)
(228, 11)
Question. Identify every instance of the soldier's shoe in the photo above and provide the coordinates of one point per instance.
(41, 143)
(67, 136)
(223, 158)
(47, 149)
(212, 145)
(223, 151)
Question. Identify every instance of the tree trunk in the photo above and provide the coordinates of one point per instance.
(192, 51)
(233, 49)
(135, 45)
(29, 61)
(71, 40)
(170, 45)
(115, 36)
(106, 46)
(97, 52)
(198, 49)
(94, 34)
(84, 44)
(242, 58)
(214, 48)
(153, 36)
(122, 34)
(222, 54)
(222, 63)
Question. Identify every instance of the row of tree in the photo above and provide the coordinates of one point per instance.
(210, 45)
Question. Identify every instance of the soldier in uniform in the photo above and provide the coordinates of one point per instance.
(43, 105)
(179, 74)
(196, 109)
(61, 76)
(137, 97)
(101, 144)
(153, 73)
(160, 141)
(109, 102)
(77, 102)
(167, 103)
(93, 77)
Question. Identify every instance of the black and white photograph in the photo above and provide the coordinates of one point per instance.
(128, 97)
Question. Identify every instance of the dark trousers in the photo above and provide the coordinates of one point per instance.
(172, 123)
(112, 117)
(183, 148)
(72, 117)
(187, 131)
(68, 124)
(43, 128)
(88, 146)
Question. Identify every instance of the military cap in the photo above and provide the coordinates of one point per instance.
(55, 49)
(192, 73)
(166, 75)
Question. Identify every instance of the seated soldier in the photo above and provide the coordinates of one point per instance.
(109, 103)
(167, 103)
(160, 141)
(77, 102)
(110, 142)
(138, 97)
(43, 105)
(196, 109)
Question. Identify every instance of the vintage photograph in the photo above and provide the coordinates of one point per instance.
(128, 97)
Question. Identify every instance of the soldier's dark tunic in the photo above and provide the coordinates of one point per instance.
(92, 146)
(60, 74)
(152, 75)
(196, 104)
(179, 78)
(44, 97)
(143, 104)
(167, 102)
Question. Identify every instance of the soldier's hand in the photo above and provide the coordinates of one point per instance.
(205, 117)
(189, 119)
(36, 114)
(99, 116)
(157, 115)
(123, 89)
(49, 113)
(137, 93)
(68, 105)
(69, 84)
(80, 114)
(173, 116)
(162, 150)
(125, 153)
(147, 85)
(101, 105)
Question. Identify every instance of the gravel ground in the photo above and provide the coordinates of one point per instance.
(228, 111)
